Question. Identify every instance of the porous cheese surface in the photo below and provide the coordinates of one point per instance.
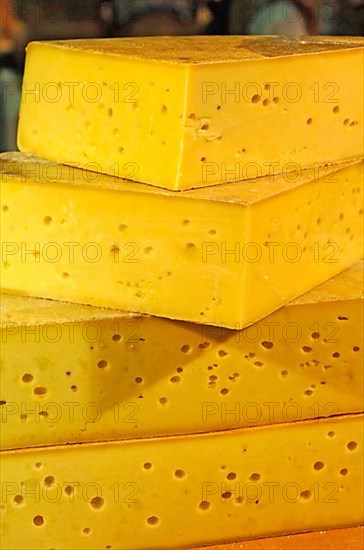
(76, 373)
(184, 112)
(169, 493)
(224, 255)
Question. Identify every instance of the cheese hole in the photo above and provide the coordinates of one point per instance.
(163, 400)
(44, 414)
(203, 159)
(255, 477)
(23, 417)
(186, 348)
(356, 348)
(39, 390)
(284, 372)
(38, 465)
(191, 246)
(318, 465)
(218, 107)
(341, 217)
(231, 476)
(153, 520)
(267, 345)
(96, 503)
(139, 380)
(226, 495)
(65, 275)
(336, 110)
(68, 490)
(306, 349)
(38, 521)
(330, 434)
(110, 112)
(336, 354)
(5, 208)
(255, 98)
(352, 445)
(204, 345)
(179, 473)
(239, 500)
(342, 318)
(2, 402)
(49, 480)
(344, 471)
(102, 364)
(86, 531)
(121, 149)
(135, 106)
(74, 387)
(205, 126)
(309, 121)
(27, 378)
(266, 102)
(318, 221)
(116, 337)
(308, 392)
(147, 465)
(258, 363)
(224, 391)
(175, 379)
(18, 499)
(315, 335)
(47, 220)
(192, 116)
(68, 373)
(305, 495)
(122, 227)
(276, 100)
(204, 505)
(222, 353)
(149, 250)
(164, 109)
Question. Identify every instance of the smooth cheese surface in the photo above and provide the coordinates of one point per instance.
(184, 112)
(76, 373)
(233, 252)
(180, 492)
(334, 539)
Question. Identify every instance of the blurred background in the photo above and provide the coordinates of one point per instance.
(24, 20)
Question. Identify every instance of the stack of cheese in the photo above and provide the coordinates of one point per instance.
(241, 417)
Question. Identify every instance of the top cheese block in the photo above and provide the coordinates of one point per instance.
(186, 112)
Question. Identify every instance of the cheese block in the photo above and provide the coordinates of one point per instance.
(224, 255)
(76, 373)
(334, 539)
(183, 112)
(180, 492)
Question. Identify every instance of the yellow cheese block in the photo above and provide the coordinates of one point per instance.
(187, 491)
(228, 254)
(76, 373)
(183, 112)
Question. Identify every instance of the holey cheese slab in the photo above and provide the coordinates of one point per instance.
(179, 492)
(76, 373)
(224, 255)
(183, 112)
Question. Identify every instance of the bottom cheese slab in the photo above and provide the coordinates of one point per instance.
(334, 539)
(180, 492)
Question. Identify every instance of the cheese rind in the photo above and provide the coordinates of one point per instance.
(193, 111)
(76, 373)
(182, 492)
(235, 252)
